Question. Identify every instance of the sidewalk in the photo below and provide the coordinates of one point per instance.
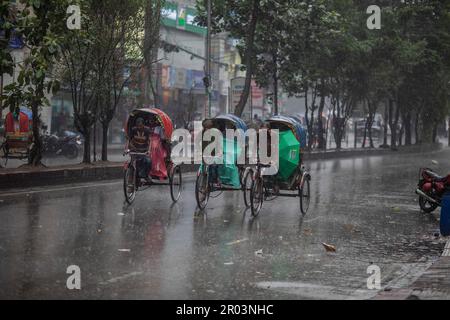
(433, 284)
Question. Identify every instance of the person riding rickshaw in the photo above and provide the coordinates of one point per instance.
(291, 176)
(18, 135)
(222, 172)
(148, 132)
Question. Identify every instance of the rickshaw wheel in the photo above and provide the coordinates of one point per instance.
(202, 190)
(3, 155)
(305, 196)
(176, 183)
(257, 196)
(247, 187)
(129, 184)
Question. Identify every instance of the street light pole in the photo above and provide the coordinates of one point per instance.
(208, 57)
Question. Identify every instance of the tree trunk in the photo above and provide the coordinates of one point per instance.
(416, 128)
(434, 136)
(275, 82)
(400, 135)
(309, 120)
(36, 150)
(338, 140)
(448, 132)
(369, 129)
(338, 132)
(393, 122)
(87, 147)
(408, 135)
(385, 127)
(426, 129)
(250, 43)
(94, 142)
(104, 142)
(372, 112)
(322, 143)
(363, 144)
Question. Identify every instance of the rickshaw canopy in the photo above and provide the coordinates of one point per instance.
(238, 122)
(289, 154)
(290, 144)
(294, 125)
(160, 115)
(24, 124)
(228, 172)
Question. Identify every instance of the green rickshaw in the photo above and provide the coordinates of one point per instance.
(226, 175)
(292, 179)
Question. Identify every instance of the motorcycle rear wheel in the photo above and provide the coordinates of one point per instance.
(427, 206)
(71, 151)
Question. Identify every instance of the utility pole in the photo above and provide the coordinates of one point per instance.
(207, 79)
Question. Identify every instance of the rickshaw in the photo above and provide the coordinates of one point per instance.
(132, 182)
(18, 136)
(230, 175)
(292, 178)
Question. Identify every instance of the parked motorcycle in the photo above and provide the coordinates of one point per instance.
(68, 145)
(431, 189)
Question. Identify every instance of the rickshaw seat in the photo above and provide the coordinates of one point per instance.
(18, 141)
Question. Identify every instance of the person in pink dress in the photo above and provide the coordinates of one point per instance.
(158, 152)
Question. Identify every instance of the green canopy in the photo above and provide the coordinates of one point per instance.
(289, 154)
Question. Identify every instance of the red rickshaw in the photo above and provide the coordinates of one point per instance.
(163, 171)
(18, 136)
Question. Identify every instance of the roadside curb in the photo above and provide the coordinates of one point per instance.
(434, 283)
(23, 178)
(348, 153)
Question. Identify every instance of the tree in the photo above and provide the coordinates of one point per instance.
(42, 27)
(123, 27)
(7, 22)
(93, 63)
(240, 18)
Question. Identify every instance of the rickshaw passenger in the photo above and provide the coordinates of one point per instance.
(158, 152)
(140, 142)
(213, 169)
(266, 127)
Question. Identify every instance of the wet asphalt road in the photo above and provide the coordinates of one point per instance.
(366, 207)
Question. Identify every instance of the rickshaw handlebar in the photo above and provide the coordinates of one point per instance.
(128, 152)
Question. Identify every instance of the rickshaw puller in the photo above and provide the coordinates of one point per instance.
(140, 142)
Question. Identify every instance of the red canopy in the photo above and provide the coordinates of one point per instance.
(24, 123)
(163, 118)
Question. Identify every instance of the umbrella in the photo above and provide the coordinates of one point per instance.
(289, 154)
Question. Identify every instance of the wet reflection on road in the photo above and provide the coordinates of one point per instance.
(366, 207)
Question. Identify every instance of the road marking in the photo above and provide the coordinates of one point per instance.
(446, 252)
(117, 279)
